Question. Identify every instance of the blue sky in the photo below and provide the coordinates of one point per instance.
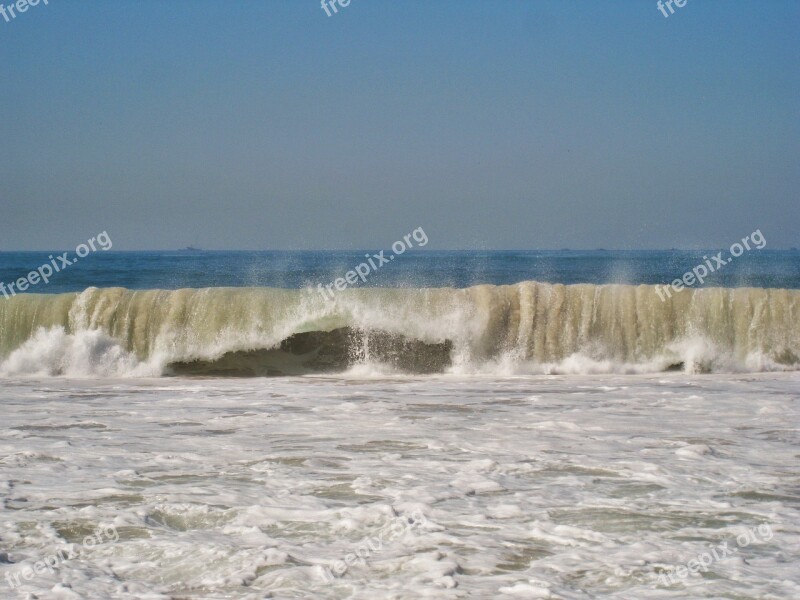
(493, 125)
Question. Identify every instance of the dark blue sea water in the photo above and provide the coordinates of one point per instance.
(416, 268)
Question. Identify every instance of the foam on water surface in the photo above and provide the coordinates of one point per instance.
(569, 486)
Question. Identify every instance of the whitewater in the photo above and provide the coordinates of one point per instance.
(528, 327)
(522, 440)
(536, 486)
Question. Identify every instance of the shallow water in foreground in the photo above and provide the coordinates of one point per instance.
(530, 487)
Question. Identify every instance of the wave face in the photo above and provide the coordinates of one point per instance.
(528, 327)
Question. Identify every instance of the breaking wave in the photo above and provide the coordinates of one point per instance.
(529, 327)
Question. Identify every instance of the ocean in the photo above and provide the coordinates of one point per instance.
(537, 424)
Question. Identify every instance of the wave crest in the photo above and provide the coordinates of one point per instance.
(527, 327)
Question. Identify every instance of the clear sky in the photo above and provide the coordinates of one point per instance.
(498, 124)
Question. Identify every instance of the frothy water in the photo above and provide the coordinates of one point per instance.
(534, 439)
(570, 486)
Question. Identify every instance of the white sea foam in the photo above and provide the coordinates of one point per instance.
(570, 486)
(87, 353)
